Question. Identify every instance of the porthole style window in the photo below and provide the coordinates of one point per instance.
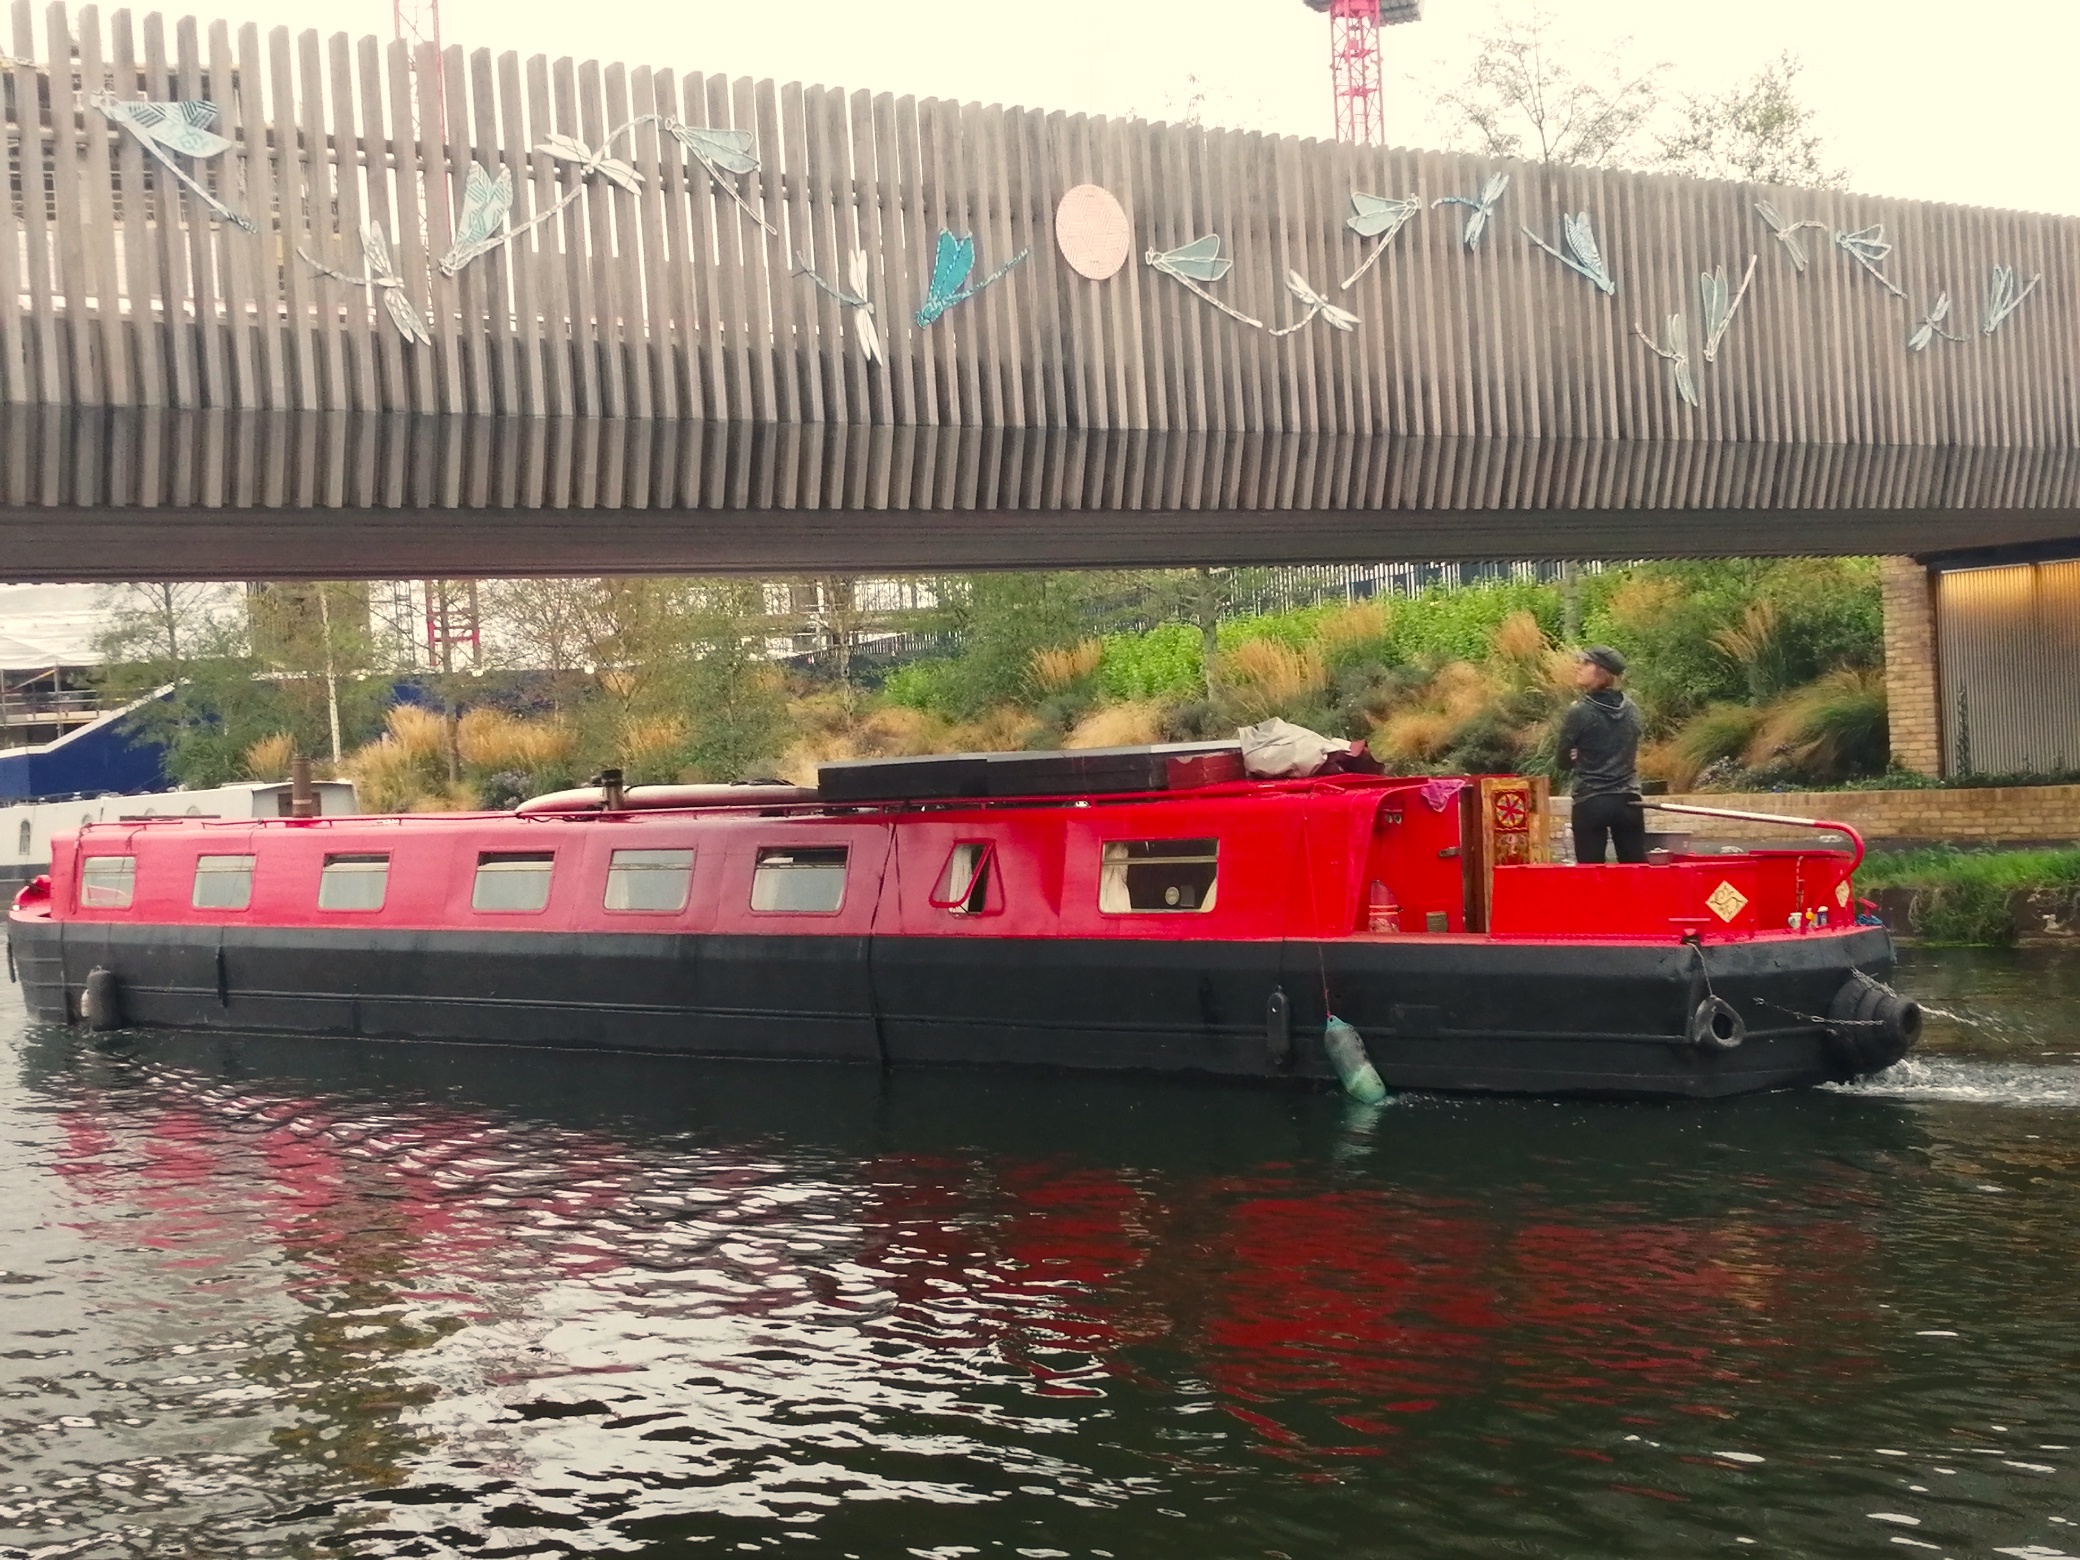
(354, 883)
(515, 882)
(799, 879)
(1158, 876)
(656, 881)
(223, 883)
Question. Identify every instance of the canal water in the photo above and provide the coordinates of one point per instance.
(279, 1297)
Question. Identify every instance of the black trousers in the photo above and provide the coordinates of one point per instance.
(1613, 820)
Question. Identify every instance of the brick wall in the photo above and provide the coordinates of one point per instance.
(1913, 703)
(1988, 815)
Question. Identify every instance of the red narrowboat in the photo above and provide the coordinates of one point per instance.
(1151, 909)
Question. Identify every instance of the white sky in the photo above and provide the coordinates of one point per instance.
(1968, 103)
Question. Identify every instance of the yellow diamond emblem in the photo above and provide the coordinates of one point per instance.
(1726, 902)
(1841, 895)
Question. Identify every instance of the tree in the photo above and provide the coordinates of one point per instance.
(1523, 97)
(1757, 132)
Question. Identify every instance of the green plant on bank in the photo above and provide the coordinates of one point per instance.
(1965, 896)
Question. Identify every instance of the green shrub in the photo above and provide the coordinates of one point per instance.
(1161, 663)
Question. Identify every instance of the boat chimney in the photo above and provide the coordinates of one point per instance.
(613, 796)
(303, 796)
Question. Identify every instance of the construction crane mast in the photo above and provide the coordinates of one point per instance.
(1354, 70)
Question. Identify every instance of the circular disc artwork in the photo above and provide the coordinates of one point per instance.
(1092, 229)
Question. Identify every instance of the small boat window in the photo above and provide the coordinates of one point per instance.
(964, 887)
(21, 839)
(512, 881)
(107, 882)
(799, 879)
(1158, 876)
(654, 880)
(223, 883)
(354, 883)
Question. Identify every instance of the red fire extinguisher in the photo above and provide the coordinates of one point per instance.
(1382, 913)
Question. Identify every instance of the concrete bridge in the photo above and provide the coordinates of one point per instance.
(378, 311)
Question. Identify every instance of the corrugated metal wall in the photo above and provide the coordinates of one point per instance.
(2008, 643)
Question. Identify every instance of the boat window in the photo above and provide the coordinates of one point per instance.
(1158, 876)
(964, 886)
(21, 839)
(353, 882)
(223, 883)
(799, 879)
(514, 881)
(107, 882)
(655, 880)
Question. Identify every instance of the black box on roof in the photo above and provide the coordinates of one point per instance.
(1096, 771)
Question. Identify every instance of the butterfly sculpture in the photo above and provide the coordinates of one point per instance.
(1317, 307)
(1676, 354)
(1377, 217)
(722, 151)
(487, 206)
(165, 128)
(864, 330)
(1786, 233)
(1478, 209)
(1582, 254)
(949, 286)
(1720, 306)
(381, 274)
(1931, 325)
(1196, 263)
(2002, 296)
(1868, 248)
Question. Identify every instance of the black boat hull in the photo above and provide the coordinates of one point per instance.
(1435, 1014)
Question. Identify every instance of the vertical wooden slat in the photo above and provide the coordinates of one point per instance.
(102, 151)
(417, 361)
(473, 286)
(754, 107)
(497, 265)
(301, 363)
(574, 247)
(36, 225)
(630, 335)
(389, 346)
(869, 228)
(239, 251)
(805, 316)
(553, 284)
(521, 255)
(74, 283)
(203, 261)
(660, 298)
(267, 260)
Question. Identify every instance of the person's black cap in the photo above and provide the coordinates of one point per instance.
(1605, 657)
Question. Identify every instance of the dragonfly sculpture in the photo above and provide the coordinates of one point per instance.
(1924, 335)
(1676, 354)
(1478, 209)
(1720, 306)
(1786, 233)
(1581, 255)
(1379, 218)
(1196, 264)
(952, 263)
(2003, 298)
(864, 330)
(1868, 248)
(1317, 307)
(487, 206)
(722, 151)
(381, 274)
(163, 129)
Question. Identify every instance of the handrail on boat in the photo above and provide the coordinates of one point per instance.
(1828, 824)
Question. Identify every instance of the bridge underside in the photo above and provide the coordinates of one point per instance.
(124, 495)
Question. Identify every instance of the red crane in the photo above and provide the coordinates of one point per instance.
(1354, 74)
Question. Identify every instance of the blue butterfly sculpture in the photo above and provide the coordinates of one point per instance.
(951, 264)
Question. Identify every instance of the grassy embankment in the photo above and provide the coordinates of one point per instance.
(1966, 896)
